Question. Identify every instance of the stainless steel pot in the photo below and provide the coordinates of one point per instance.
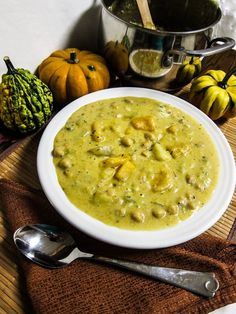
(171, 46)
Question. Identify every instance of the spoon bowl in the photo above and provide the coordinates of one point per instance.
(45, 245)
(51, 247)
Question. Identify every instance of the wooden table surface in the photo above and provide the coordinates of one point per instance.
(20, 166)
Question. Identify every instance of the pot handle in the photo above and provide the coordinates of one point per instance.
(214, 48)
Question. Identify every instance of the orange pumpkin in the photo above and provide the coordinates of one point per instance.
(72, 73)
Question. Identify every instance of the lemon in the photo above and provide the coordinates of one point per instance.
(147, 63)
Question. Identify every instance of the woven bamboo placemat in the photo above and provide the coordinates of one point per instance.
(20, 166)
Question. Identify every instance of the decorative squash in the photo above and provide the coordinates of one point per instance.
(25, 101)
(188, 70)
(72, 73)
(215, 93)
(117, 57)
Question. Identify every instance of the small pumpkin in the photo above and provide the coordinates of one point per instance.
(117, 57)
(72, 73)
(25, 101)
(215, 93)
(188, 70)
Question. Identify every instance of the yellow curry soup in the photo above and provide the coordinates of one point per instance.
(135, 163)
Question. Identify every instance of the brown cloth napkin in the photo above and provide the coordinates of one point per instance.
(88, 287)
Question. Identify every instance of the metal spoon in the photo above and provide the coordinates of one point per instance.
(53, 248)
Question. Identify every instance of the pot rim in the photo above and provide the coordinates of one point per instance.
(164, 32)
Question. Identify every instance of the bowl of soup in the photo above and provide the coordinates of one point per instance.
(136, 167)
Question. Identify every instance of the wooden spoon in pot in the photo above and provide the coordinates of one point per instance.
(145, 14)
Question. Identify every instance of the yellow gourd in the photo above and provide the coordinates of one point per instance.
(215, 93)
(188, 70)
(72, 73)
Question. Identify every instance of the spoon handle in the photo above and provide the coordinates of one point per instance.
(202, 283)
(145, 14)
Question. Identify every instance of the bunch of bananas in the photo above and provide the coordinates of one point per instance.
(215, 93)
(25, 101)
(188, 70)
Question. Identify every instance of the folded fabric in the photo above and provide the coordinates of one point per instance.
(89, 287)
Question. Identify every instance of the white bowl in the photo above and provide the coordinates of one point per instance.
(199, 222)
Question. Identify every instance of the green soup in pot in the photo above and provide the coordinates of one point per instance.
(171, 15)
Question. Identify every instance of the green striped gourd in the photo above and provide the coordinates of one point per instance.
(25, 101)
